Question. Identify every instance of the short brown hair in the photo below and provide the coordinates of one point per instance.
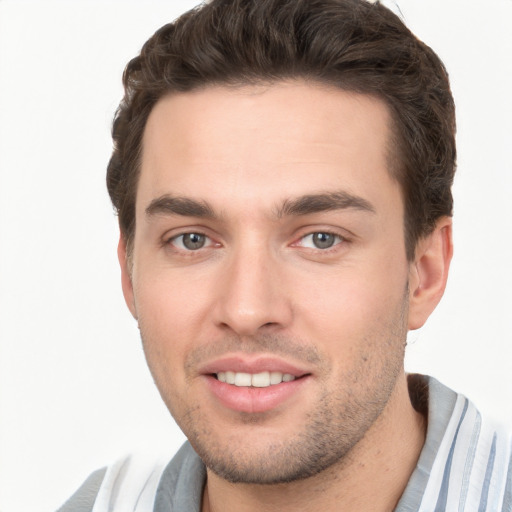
(354, 45)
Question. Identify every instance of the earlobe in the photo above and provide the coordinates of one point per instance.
(429, 272)
(126, 278)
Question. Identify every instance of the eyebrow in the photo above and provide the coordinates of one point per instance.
(303, 205)
(184, 206)
(315, 203)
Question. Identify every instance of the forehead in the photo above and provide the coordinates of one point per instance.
(250, 143)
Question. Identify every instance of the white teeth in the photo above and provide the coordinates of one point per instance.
(257, 380)
(242, 379)
(276, 378)
(261, 380)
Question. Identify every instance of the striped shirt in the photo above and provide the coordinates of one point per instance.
(464, 466)
(466, 462)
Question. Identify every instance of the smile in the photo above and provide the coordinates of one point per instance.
(256, 380)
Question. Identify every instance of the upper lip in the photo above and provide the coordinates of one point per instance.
(253, 364)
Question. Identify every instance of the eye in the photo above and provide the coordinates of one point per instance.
(190, 241)
(320, 240)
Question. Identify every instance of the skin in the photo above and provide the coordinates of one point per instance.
(248, 160)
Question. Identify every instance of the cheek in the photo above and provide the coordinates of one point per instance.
(354, 311)
(164, 329)
(167, 302)
(363, 293)
(165, 326)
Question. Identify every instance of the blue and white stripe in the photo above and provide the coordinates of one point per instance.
(472, 468)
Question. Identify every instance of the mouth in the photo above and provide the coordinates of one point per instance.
(255, 385)
(256, 380)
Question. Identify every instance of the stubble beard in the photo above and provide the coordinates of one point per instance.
(341, 418)
(326, 439)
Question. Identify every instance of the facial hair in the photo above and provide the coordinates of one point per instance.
(340, 418)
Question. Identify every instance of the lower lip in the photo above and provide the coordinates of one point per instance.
(251, 399)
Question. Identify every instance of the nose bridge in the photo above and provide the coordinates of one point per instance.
(252, 296)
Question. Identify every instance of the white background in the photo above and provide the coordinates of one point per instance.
(74, 389)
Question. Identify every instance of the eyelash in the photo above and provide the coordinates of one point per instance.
(171, 241)
(338, 239)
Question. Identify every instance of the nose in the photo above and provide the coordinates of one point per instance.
(253, 296)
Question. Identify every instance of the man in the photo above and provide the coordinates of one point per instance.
(282, 174)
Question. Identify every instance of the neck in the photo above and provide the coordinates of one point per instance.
(372, 476)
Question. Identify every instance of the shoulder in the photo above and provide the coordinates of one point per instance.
(83, 499)
(473, 462)
(143, 483)
(467, 457)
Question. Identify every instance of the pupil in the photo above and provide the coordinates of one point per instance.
(193, 241)
(323, 240)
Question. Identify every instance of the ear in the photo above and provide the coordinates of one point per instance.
(126, 277)
(429, 272)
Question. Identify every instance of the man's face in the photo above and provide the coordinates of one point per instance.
(269, 252)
